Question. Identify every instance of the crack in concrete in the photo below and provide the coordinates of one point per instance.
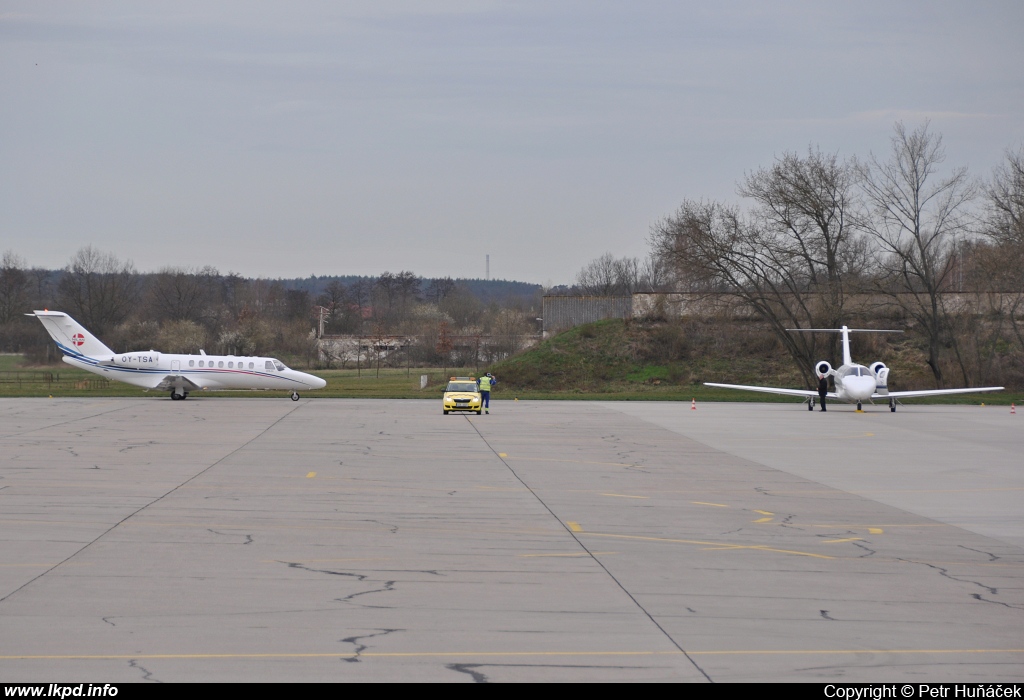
(977, 596)
(468, 668)
(248, 538)
(360, 648)
(868, 552)
(388, 586)
(147, 675)
(945, 572)
(990, 555)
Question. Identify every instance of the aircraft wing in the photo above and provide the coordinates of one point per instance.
(772, 390)
(177, 381)
(934, 392)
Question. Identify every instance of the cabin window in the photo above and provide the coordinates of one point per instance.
(251, 366)
(191, 363)
(270, 365)
(201, 363)
(231, 365)
(221, 363)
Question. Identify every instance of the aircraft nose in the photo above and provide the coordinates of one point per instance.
(316, 382)
(864, 386)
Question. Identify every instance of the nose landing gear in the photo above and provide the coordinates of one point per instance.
(295, 396)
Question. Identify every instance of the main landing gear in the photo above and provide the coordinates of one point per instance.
(175, 396)
(810, 404)
(860, 408)
(892, 405)
(295, 396)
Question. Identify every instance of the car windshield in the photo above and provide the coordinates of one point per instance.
(461, 386)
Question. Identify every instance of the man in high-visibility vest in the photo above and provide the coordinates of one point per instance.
(485, 383)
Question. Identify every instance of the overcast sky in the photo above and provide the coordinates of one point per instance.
(287, 139)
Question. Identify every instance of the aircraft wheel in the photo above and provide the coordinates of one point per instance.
(295, 396)
(184, 396)
(810, 405)
(859, 407)
(892, 405)
(175, 396)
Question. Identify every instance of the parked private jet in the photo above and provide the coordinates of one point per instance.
(180, 374)
(854, 383)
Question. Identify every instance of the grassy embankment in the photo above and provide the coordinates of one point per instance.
(651, 361)
(608, 360)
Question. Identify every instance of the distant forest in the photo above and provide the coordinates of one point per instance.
(188, 309)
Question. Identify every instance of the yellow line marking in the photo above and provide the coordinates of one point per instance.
(622, 495)
(575, 527)
(848, 539)
(573, 554)
(763, 520)
(723, 545)
(702, 503)
(875, 530)
(502, 454)
(310, 475)
(492, 654)
(764, 512)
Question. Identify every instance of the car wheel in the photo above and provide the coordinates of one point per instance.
(446, 412)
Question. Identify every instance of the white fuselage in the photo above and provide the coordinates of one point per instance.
(854, 382)
(212, 372)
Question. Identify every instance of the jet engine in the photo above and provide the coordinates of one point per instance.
(881, 373)
(823, 369)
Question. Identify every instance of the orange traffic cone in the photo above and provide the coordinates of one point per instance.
(1013, 409)
(693, 404)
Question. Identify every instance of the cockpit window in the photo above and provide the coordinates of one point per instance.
(280, 366)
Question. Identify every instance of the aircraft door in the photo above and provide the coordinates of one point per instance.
(175, 365)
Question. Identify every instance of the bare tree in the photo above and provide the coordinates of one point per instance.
(98, 289)
(789, 261)
(1005, 195)
(806, 204)
(178, 294)
(609, 276)
(14, 288)
(917, 223)
(1001, 262)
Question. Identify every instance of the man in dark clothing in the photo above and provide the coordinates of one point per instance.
(822, 390)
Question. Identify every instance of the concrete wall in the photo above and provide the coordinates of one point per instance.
(561, 313)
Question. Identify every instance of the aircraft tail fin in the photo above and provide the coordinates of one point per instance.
(70, 336)
(847, 358)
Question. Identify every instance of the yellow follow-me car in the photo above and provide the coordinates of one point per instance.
(462, 394)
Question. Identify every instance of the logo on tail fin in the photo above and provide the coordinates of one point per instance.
(78, 340)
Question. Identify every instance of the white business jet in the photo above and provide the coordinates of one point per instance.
(854, 383)
(180, 374)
